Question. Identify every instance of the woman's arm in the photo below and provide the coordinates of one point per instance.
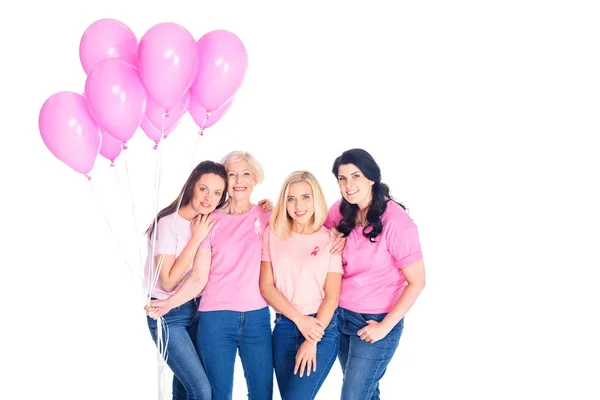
(172, 269)
(311, 328)
(333, 286)
(191, 287)
(415, 279)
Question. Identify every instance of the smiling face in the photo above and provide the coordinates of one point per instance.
(208, 192)
(300, 203)
(355, 187)
(241, 180)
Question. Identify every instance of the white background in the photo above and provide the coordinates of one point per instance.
(482, 116)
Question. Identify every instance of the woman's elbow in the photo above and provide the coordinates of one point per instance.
(265, 289)
(167, 286)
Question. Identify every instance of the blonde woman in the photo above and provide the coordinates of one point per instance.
(301, 279)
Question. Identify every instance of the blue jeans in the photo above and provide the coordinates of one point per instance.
(364, 364)
(221, 334)
(180, 324)
(286, 342)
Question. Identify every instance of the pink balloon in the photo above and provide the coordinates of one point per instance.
(107, 38)
(153, 132)
(155, 112)
(116, 98)
(69, 131)
(221, 69)
(167, 62)
(198, 113)
(110, 147)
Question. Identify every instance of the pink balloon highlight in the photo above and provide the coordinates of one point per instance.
(198, 113)
(107, 38)
(69, 131)
(110, 147)
(116, 98)
(167, 62)
(155, 112)
(221, 69)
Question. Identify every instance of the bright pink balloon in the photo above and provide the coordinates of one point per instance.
(167, 62)
(116, 98)
(198, 113)
(69, 131)
(153, 132)
(221, 69)
(155, 112)
(110, 147)
(107, 38)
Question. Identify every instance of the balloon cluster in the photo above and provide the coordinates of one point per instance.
(149, 84)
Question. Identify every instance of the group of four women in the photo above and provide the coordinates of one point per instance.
(340, 280)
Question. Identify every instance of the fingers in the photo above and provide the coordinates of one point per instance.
(302, 366)
(297, 365)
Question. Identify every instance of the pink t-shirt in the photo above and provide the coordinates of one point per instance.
(300, 265)
(172, 235)
(373, 279)
(236, 245)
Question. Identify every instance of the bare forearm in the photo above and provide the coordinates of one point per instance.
(405, 302)
(280, 303)
(327, 309)
(169, 279)
(190, 289)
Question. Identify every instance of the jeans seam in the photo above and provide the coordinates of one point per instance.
(323, 377)
(375, 371)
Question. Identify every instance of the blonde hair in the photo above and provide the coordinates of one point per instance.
(281, 222)
(236, 156)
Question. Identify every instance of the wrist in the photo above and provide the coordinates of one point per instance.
(296, 318)
(387, 324)
(197, 238)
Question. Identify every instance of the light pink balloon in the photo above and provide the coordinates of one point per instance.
(155, 112)
(221, 69)
(110, 147)
(69, 131)
(116, 98)
(167, 62)
(107, 38)
(198, 113)
(153, 132)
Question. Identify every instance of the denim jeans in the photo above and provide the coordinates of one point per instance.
(189, 378)
(221, 334)
(286, 342)
(363, 363)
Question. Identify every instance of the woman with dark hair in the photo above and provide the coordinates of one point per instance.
(173, 241)
(233, 316)
(383, 272)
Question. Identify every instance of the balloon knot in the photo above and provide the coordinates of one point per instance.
(155, 146)
(87, 176)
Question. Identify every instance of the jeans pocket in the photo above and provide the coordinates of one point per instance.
(372, 317)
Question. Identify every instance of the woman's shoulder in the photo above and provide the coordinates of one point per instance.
(395, 214)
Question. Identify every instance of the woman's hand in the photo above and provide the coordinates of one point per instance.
(373, 332)
(306, 359)
(201, 225)
(266, 205)
(339, 241)
(157, 308)
(311, 328)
